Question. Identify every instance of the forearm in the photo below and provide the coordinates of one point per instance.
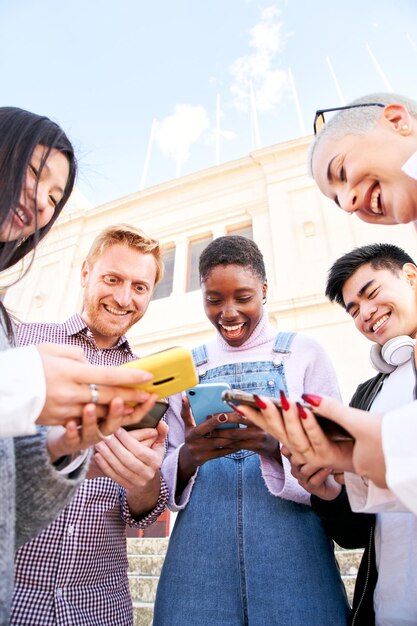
(187, 467)
(141, 500)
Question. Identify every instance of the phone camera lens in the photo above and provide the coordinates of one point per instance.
(192, 393)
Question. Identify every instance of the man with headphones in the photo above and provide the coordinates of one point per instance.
(375, 285)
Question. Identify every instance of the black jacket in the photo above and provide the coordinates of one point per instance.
(355, 530)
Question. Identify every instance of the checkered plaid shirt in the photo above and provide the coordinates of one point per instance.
(75, 572)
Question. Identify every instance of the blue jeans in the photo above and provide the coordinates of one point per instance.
(239, 556)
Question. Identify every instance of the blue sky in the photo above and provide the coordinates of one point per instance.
(111, 73)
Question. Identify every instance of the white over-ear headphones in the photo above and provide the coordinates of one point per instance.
(393, 353)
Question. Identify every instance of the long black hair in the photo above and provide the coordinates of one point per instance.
(20, 133)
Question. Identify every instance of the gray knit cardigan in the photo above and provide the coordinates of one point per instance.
(32, 493)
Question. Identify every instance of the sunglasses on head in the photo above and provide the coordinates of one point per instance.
(319, 120)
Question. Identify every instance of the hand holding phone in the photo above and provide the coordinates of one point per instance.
(206, 399)
(333, 431)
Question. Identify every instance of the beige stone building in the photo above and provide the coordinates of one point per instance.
(267, 195)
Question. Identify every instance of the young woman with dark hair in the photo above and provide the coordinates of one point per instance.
(44, 384)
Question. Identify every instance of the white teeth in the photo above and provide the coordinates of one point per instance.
(379, 322)
(375, 208)
(22, 215)
(232, 328)
(110, 309)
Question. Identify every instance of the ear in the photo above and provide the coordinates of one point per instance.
(410, 272)
(264, 289)
(85, 271)
(398, 118)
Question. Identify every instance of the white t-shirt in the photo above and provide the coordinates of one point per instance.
(395, 595)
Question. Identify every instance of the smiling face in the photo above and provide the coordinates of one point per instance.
(118, 287)
(41, 192)
(233, 297)
(362, 173)
(381, 303)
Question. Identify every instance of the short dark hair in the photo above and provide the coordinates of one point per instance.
(378, 255)
(20, 132)
(232, 250)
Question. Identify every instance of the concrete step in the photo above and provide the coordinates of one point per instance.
(349, 561)
(142, 613)
(147, 545)
(143, 588)
(145, 564)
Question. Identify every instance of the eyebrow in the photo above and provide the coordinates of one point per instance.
(360, 293)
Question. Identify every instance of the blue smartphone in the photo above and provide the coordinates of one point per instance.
(206, 399)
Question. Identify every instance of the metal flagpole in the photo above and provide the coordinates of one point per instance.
(336, 82)
(297, 104)
(379, 69)
(148, 155)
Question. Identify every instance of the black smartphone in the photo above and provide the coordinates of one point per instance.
(334, 431)
(152, 418)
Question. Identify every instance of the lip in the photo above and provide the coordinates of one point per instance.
(241, 333)
(381, 328)
(367, 200)
(125, 313)
(29, 216)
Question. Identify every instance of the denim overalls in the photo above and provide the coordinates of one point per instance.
(239, 555)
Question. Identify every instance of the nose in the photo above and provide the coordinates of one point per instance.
(229, 311)
(122, 295)
(349, 201)
(44, 207)
(368, 310)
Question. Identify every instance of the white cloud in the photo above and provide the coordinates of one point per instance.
(176, 133)
(269, 82)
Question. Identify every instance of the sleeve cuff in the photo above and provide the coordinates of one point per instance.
(149, 518)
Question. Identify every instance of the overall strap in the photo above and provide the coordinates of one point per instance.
(200, 355)
(283, 342)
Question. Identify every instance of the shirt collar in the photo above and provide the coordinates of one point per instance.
(75, 324)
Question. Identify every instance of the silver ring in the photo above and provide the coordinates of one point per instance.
(94, 393)
(103, 437)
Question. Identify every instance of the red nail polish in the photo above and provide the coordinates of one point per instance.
(259, 402)
(301, 411)
(284, 401)
(312, 399)
(238, 411)
(222, 417)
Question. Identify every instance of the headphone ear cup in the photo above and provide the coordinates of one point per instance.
(398, 350)
(378, 362)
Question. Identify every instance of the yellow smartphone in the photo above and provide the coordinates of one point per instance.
(173, 371)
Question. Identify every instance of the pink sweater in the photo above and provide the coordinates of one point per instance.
(307, 368)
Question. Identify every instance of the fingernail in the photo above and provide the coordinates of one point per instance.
(259, 402)
(284, 401)
(301, 411)
(222, 418)
(312, 399)
(238, 411)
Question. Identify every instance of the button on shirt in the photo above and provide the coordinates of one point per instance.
(75, 571)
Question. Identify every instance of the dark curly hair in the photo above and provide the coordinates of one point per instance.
(232, 250)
